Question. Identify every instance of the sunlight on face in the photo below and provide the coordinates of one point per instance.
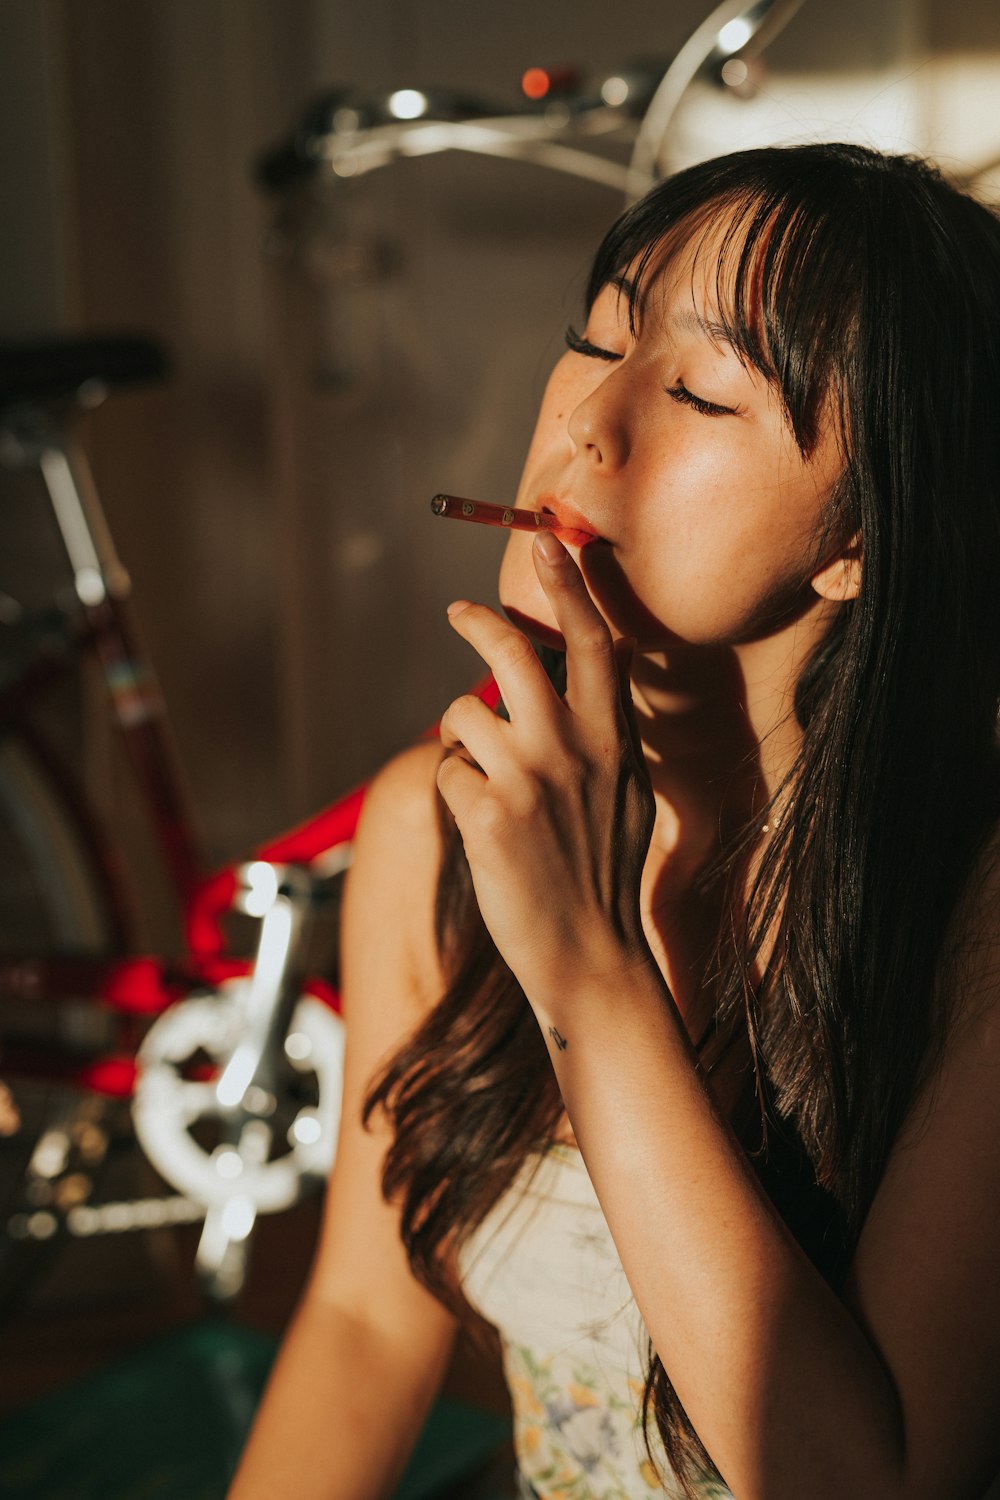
(664, 443)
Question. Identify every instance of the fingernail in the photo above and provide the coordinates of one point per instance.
(550, 547)
(457, 607)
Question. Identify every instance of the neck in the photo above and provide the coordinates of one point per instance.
(719, 730)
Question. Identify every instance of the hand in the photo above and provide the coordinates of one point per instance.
(555, 807)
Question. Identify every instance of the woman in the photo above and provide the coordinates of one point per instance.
(720, 1027)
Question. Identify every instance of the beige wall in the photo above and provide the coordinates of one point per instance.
(289, 580)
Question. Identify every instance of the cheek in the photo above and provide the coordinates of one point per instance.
(519, 584)
(729, 569)
(551, 444)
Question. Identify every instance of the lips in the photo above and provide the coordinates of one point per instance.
(573, 528)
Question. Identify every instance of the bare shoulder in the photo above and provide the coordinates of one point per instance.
(402, 796)
(388, 920)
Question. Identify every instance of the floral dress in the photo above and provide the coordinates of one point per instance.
(543, 1268)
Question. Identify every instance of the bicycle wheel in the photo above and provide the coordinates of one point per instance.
(54, 892)
(56, 898)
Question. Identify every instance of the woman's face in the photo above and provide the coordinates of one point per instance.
(680, 459)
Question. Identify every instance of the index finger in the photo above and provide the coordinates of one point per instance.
(510, 656)
(591, 669)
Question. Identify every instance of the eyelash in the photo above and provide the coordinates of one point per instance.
(707, 408)
(580, 345)
(679, 392)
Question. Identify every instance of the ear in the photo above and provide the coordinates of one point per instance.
(840, 578)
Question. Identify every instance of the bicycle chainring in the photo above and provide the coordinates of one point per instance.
(263, 1154)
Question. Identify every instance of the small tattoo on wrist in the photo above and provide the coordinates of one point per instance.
(560, 1041)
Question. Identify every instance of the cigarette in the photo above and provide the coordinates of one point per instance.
(493, 515)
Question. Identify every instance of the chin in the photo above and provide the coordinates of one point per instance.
(542, 633)
(522, 598)
(530, 611)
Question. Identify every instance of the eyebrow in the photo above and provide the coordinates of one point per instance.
(718, 333)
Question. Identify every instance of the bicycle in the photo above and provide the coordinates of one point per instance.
(227, 1068)
(80, 1010)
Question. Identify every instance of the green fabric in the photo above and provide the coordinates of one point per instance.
(169, 1423)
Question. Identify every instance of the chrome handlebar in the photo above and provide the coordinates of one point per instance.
(346, 135)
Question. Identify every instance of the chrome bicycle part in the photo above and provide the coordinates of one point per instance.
(253, 1134)
(372, 134)
(348, 135)
(256, 1156)
(170, 1104)
(734, 27)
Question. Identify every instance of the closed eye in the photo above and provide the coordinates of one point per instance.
(707, 408)
(580, 345)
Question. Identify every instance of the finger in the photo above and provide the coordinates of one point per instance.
(510, 656)
(591, 672)
(460, 785)
(468, 727)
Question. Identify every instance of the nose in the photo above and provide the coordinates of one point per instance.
(597, 426)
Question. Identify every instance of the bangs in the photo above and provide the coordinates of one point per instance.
(786, 276)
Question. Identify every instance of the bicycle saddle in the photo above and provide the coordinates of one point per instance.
(54, 369)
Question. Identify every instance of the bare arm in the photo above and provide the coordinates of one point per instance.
(368, 1346)
(892, 1392)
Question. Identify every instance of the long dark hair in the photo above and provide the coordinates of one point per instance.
(866, 279)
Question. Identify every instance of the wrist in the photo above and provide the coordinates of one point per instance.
(601, 974)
